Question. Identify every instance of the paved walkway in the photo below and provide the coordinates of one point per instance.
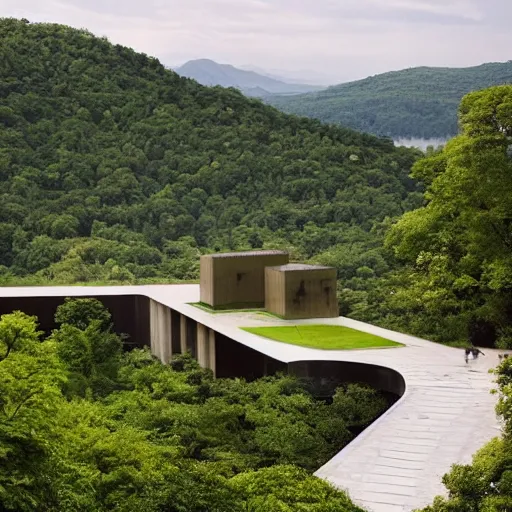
(396, 465)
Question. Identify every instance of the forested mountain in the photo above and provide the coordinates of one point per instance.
(113, 168)
(419, 102)
(208, 72)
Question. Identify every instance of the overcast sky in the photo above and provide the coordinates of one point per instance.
(334, 40)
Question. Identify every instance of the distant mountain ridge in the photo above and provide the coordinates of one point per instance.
(209, 72)
(418, 102)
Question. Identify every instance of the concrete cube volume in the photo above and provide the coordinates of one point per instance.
(237, 279)
(301, 291)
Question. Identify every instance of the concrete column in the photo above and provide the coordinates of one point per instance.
(203, 341)
(183, 334)
(211, 350)
(160, 331)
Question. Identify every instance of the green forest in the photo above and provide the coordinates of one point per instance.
(412, 103)
(114, 169)
(86, 427)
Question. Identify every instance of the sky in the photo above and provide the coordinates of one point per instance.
(319, 41)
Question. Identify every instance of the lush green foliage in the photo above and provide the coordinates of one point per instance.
(418, 102)
(328, 337)
(84, 427)
(113, 168)
(486, 484)
(457, 249)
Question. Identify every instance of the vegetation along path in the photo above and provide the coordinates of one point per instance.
(396, 465)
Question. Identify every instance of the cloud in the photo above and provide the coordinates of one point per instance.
(346, 38)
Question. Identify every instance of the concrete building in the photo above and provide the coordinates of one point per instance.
(295, 291)
(237, 279)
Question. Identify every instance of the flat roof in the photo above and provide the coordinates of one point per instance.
(242, 254)
(290, 267)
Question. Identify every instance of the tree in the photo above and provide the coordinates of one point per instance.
(458, 246)
(287, 489)
(80, 313)
(138, 160)
(87, 346)
(30, 380)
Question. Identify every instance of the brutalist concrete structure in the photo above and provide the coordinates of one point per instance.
(296, 291)
(237, 279)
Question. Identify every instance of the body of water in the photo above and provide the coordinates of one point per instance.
(420, 143)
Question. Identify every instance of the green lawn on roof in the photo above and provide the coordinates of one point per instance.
(327, 337)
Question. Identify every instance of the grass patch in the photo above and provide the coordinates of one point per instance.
(327, 337)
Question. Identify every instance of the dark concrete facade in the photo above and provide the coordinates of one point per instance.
(236, 360)
(130, 313)
(326, 376)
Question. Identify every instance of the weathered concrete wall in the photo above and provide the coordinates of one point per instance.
(206, 347)
(237, 278)
(206, 282)
(275, 291)
(301, 291)
(203, 342)
(233, 359)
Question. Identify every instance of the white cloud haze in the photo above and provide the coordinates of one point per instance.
(339, 39)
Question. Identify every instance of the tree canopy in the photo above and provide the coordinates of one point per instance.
(457, 248)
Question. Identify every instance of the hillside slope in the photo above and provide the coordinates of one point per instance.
(208, 72)
(114, 168)
(419, 102)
